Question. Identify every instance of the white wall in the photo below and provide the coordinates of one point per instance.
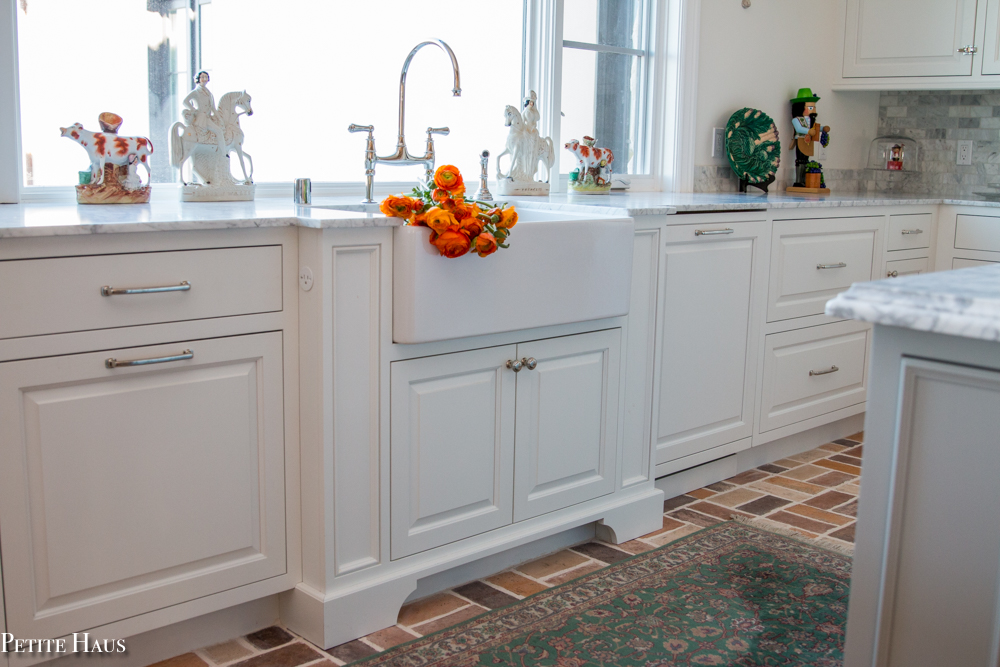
(760, 56)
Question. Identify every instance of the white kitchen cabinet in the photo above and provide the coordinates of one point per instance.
(567, 421)
(476, 445)
(814, 260)
(813, 371)
(132, 488)
(909, 38)
(452, 447)
(963, 263)
(898, 268)
(925, 586)
(708, 341)
(991, 41)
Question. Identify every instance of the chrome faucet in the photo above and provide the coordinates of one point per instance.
(402, 156)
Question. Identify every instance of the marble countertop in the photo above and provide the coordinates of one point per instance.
(20, 220)
(965, 302)
(64, 219)
(669, 203)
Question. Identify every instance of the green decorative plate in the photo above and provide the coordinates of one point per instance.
(752, 145)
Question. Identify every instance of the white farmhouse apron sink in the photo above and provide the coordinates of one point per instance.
(559, 269)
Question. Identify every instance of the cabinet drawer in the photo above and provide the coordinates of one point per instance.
(129, 489)
(814, 260)
(65, 293)
(906, 267)
(963, 263)
(799, 377)
(977, 232)
(909, 232)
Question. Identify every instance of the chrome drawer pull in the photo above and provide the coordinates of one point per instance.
(515, 365)
(530, 363)
(893, 274)
(838, 265)
(912, 231)
(712, 232)
(831, 369)
(111, 291)
(114, 363)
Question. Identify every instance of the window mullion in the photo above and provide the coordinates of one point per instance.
(10, 130)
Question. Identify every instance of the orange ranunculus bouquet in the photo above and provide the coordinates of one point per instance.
(458, 225)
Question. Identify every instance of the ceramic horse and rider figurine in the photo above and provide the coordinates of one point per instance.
(526, 148)
(207, 137)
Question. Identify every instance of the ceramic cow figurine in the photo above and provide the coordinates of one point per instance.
(593, 174)
(104, 147)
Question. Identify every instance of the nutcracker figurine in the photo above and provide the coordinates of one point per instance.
(808, 132)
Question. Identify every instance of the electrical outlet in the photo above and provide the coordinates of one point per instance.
(305, 278)
(718, 142)
(964, 153)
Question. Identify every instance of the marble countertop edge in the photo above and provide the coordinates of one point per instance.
(965, 302)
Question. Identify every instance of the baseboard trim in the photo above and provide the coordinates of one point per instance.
(715, 471)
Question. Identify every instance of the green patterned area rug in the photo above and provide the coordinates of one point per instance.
(732, 594)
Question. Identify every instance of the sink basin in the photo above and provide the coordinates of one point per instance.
(560, 268)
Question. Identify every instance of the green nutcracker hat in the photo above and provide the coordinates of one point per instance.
(805, 95)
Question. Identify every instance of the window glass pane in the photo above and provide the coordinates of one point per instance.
(600, 99)
(609, 22)
(311, 68)
(68, 75)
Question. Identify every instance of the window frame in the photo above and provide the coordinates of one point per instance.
(668, 105)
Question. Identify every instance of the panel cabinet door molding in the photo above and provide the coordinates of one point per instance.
(452, 449)
(126, 490)
(707, 372)
(900, 38)
(567, 422)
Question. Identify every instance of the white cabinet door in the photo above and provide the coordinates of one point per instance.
(452, 448)
(567, 422)
(991, 45)
(126, 490)
(898, 268)
(706, 391)
(928, 533)
(889, 38)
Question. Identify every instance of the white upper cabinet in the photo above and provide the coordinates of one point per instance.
(991, 41)
(910, 38)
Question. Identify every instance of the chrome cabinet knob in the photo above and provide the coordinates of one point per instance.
(530, 362)
(893, 274)
(515, 365)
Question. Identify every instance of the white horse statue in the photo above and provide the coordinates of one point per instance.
(526, 149)
(210, 157)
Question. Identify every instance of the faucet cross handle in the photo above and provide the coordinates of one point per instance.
(361, 128)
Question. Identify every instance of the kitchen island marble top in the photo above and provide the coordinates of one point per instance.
(66, 219)
(965, 302)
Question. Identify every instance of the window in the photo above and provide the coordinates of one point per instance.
(311, 68)
(604, 74)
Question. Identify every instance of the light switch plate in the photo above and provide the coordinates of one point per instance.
(718, 142)
(964, 153)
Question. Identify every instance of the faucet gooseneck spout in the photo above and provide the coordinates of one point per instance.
(456, 89)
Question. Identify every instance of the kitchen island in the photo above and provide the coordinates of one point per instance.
(306, 462)
(925, 588)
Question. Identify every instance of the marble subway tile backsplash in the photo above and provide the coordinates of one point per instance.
(938, 120)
